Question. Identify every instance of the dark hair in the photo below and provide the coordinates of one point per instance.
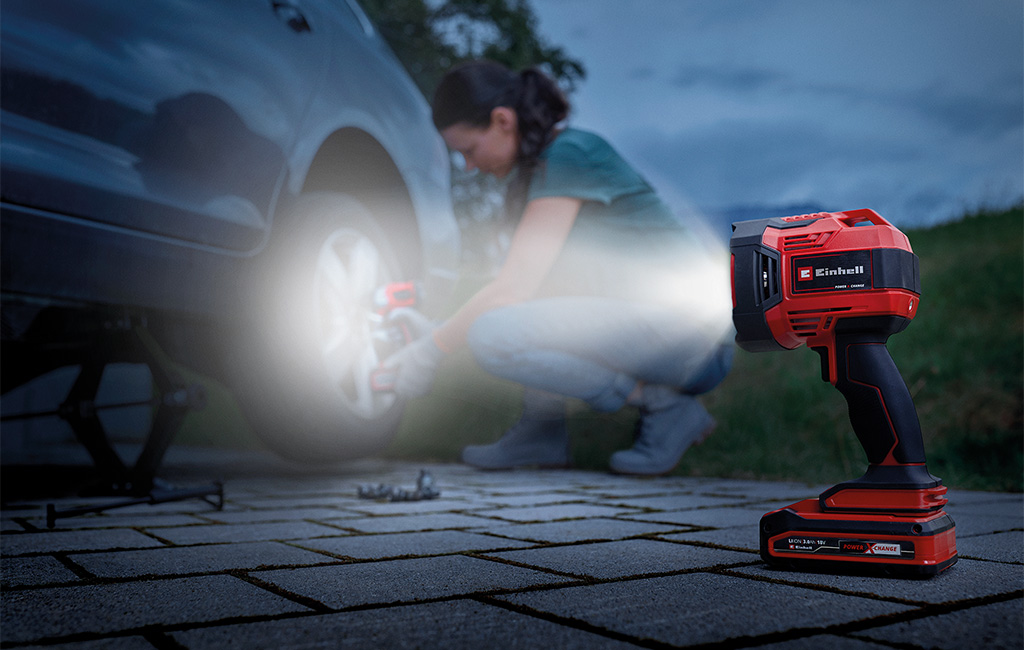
(469, 92)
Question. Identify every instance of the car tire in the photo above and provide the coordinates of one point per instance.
(302, 361)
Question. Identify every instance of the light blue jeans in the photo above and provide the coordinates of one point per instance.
(597, 349)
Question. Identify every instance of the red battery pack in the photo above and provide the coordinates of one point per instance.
(803, 537)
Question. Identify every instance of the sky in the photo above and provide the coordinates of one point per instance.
(913, 108)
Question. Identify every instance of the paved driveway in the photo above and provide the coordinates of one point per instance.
(530, 559)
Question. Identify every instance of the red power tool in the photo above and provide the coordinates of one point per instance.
(842, 283)
(392, 333)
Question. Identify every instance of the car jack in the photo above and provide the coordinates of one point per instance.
(138, 484)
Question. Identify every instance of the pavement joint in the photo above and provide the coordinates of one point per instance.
(584, 579)
(940, 607)
(574, 623)
(699, 544)
(314, 605)
(985, 559)
(796, 582)
(924, 611)
(77, 569)
(591, 560)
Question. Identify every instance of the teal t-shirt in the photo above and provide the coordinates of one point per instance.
(625, 242)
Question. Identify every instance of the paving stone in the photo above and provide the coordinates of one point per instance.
(970, 523)
(389, 545)
(219, 533)
(509, 516)
(291, 514)
(614, 483)
(409, 523)
(8, 525)
(58, 612)
(674, 502)
(270, 487)
(415, 507)
(973, 497)
(966, 579)
(1000, 625)
(631, 557)
(38, 570)
(555, 512)
(187, 506)
(744, 537)
(455, 493)
(544, 498)
(699, 608)
(113, 521)
(771, 505)
(1000, 547)
(632, 490)
(525, 482)
(708, 517)
(1013, 510)
(513, 489)
(311, 501)
(73, 540)
(402, 581)
(112, 643)
(579, 530)
(820, 641)
(452, 624)
(757, 491)
(183, 560)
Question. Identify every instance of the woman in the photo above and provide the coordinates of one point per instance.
(591, 301)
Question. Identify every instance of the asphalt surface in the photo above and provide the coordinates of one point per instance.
(525, 559)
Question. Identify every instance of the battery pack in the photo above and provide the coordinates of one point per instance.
(803, 537)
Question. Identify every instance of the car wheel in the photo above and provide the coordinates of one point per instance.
(303, 361)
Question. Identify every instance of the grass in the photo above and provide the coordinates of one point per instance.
(962, 357)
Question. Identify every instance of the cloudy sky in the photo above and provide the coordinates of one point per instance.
(911, 107)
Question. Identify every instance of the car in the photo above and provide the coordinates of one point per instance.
(230, 183)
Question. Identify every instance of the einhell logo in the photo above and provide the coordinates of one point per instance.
(850, 271)
(838, 270)
(806, 273)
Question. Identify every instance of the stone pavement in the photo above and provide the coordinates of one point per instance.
(546, 559)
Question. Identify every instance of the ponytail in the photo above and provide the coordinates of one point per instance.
(540, 106)
(469, 93)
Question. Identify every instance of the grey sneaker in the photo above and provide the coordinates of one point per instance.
(670, 422)
(529, 443)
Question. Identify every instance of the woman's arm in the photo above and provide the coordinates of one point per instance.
(535, 247)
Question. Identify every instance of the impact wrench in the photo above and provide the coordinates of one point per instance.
(394, 332)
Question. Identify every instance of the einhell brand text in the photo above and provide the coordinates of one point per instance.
(820, 273)
(849, 271)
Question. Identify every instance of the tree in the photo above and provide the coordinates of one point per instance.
(429, 38)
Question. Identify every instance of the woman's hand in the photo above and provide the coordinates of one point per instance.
(417, 365)
(535, 247)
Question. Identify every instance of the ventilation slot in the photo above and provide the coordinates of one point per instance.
(800, 325)
(820, 311)
(769, 277)
(811, 321)
(803, 242)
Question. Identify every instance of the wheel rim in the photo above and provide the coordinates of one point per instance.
(349, 269)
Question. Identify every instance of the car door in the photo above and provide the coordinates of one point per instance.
(169, 118)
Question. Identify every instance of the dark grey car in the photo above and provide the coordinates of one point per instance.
(236, 178)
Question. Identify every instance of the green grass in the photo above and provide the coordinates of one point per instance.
(962, 357)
